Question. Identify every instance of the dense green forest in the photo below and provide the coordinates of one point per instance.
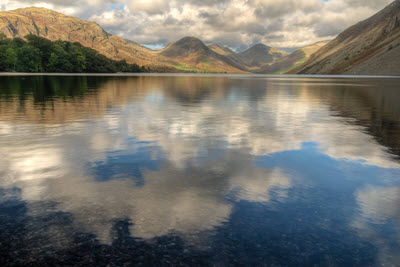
(37, 54)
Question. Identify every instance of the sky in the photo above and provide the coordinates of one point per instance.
(238, 24)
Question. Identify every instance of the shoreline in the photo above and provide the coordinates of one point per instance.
(155, 74)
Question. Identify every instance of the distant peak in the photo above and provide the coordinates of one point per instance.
(260, 45)
(35, 9)
(190, 39)
(186, 45)
(258, 48)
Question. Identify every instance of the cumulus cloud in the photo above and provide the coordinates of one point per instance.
(149, 6)
(234, 23)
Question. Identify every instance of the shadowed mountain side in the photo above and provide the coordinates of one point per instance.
(386, 62)
(225, 51)
(260, 55)
(253, 58)
(191, 53)
(293, 60)
(368, 47)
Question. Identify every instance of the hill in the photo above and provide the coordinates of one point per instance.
(293, 60)
(370, 47)
(260, 55)
(190, 53)
(225, 51)
(252, 59)
(55, 26)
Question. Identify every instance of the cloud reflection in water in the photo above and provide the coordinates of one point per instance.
(175, 154)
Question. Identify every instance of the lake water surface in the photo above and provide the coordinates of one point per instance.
(186, 170)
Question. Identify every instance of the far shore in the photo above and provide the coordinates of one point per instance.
(252, 75)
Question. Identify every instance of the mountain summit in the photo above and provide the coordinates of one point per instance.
(191, 52)
(185, 47)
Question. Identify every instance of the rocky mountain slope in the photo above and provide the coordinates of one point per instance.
(293, 60)
(54, 26)
(370, 47)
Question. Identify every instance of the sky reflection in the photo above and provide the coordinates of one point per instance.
(185, 155)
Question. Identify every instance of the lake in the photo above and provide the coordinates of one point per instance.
(199, 170)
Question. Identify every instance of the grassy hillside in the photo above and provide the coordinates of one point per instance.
(293, 60)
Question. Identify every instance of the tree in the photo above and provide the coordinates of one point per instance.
(18, 42)
(39, 54)
(78, 58)
(59, 60)
(53, 62)
(80, 61)
(28, 59)
(10, 58)
(3, 39)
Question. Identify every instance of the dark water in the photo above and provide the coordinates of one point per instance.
(220, 171)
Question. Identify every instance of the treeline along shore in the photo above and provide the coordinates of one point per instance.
(38, 54)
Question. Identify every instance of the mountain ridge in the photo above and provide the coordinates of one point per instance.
(259, 55)
(293, 60)
(359, 48)
(53, 25)
(371, 46)
(191, 51)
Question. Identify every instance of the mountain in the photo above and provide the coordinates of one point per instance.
(54, 26)
(260, 55)
(253, 58)
(190, 53)
(370, 47)
(225, 51)
(293, 60)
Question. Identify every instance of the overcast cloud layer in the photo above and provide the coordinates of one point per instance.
(234, 23)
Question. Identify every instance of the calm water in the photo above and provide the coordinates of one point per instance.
(221, 171)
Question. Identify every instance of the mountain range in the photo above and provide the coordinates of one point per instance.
(371, 46)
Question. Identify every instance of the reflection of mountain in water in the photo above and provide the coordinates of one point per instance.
(373, 104)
